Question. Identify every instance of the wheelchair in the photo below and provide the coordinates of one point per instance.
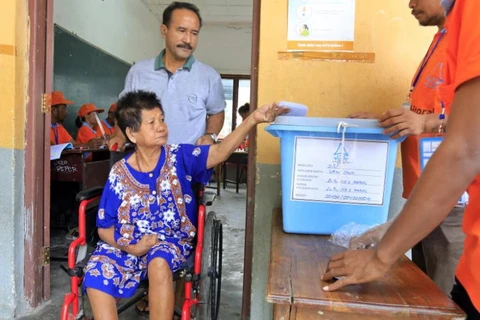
(202, 272)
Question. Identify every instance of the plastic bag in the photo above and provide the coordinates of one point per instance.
(343, 235)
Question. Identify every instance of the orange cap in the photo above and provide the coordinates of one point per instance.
(113, 107)
(59, 98)
(88, 108)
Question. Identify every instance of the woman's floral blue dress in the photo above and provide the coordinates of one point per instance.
(137, 203)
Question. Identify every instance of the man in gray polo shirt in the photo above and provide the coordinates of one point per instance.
(190, 91)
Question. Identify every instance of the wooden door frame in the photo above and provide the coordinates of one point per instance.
(252, 166)
(37, 153)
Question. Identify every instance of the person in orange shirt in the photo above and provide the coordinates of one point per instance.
(438, 254)
(108, 124)
(85, 122)
(58, 133)
(454, 167)
(62, 195)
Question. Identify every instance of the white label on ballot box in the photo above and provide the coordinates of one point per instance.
(336, 170)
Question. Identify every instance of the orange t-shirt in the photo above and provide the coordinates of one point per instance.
(58, 134)
(463, 64)
(109, 130)
(424, 99)
(86, 133)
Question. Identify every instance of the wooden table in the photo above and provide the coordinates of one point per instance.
(73, 167)
(294, 286)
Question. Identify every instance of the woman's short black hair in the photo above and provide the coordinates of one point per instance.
(167, 13)
(130, 106)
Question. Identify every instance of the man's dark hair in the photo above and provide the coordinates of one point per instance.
(130, 106)
(245, 109)
(167, 13)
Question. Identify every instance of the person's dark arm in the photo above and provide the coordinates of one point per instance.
(447, 175)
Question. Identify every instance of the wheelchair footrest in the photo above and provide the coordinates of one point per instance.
(208, 198)
(73, 272)
(189, 277)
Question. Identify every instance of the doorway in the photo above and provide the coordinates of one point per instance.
(42, 229)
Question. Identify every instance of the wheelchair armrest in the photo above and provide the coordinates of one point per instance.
(208, 198)
(89, 193)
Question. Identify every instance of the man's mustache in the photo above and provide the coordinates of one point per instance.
(185, 46)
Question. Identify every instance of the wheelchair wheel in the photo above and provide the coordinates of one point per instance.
(211, 271)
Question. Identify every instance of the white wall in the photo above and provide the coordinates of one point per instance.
(129, 31)
(226, 48)
(123, 28)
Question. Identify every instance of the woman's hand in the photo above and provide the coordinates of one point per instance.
(268, 112)
(219, 152)
(142, 247)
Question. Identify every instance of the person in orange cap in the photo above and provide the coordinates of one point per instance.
(58, 133)
(62, 196)
(108, 124)
(85, 122)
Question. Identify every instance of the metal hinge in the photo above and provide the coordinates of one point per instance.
(46, 103)
(45, 256)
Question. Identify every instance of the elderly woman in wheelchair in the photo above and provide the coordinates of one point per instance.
(147, 214)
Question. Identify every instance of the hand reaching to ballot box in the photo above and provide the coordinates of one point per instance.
(268, 112)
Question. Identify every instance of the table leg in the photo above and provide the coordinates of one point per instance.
(218, 175)
(283, 312)
(237, 180)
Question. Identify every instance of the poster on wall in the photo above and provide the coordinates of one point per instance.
(321, 25)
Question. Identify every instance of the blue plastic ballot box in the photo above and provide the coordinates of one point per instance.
(334, 171)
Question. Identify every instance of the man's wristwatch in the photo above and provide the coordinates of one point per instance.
(213, 136)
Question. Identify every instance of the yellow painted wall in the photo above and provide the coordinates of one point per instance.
(13, 74)
(336, 89)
